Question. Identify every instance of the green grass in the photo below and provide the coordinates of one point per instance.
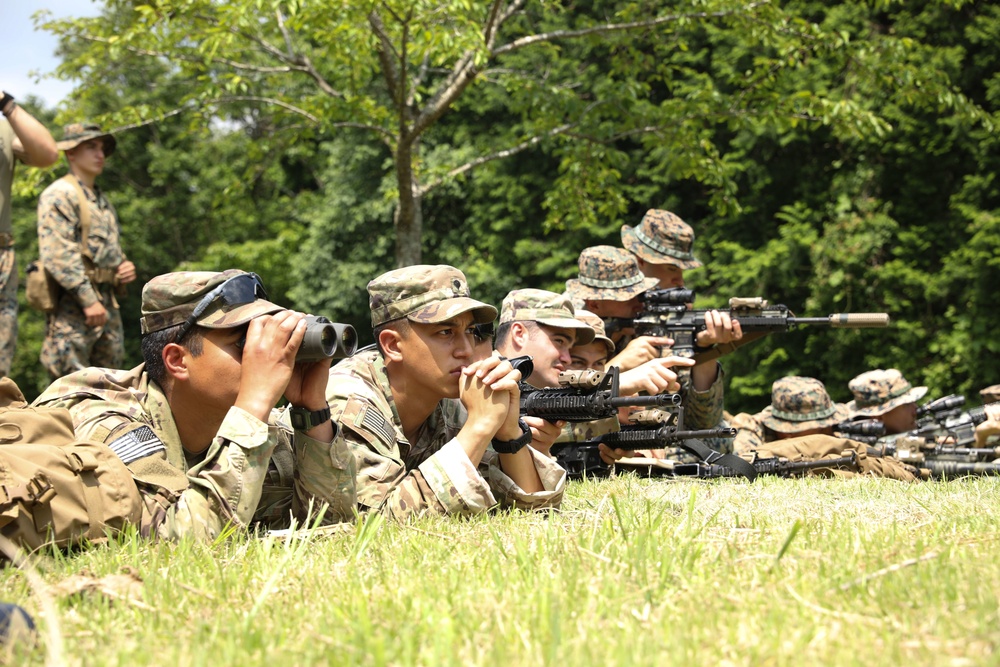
(630, 572)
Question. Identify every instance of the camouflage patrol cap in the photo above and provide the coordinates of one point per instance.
(170, 299)
(75, 134)
(990, 394)
(548, 308)
(800, 404)
(597, 324)
(878, 391)
(424, 293)
(609, 274)
(661, 238)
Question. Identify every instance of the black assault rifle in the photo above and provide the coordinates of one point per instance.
(666, 312)
(769, 466)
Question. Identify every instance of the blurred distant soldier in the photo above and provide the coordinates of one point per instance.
(85, 329)
(885, 395)
(24, 138)
(991, 426)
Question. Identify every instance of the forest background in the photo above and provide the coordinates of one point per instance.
(831, 156)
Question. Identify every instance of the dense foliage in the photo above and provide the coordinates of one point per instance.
(832, 157)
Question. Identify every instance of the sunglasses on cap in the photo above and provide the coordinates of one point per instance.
(237, 291)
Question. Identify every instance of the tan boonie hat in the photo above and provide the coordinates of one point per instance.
(609, 274)
(878, 391)
(548, 308)
(800, 404)
(661, 238)
(424, 293)
(990, 394)
(170, 299)
(75, 134)
(597, 324)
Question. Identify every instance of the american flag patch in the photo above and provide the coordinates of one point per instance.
(137, 444)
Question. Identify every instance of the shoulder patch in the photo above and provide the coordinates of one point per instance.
(136, 444)
(367, 421)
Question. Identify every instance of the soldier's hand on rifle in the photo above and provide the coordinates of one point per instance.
(639, 351)
(653, 377)
(126, 272)
(719, 329)
(609, 455)
(989, 427)
(96, 314)
(543, 433)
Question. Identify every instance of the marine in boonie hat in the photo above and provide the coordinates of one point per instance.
(75, 134)
(800, 404)
(661, 238)
(597, 324)
(543, 307)
(426, 294)
(172, 298)
(878, 391)
(990, 394)
(609, 274)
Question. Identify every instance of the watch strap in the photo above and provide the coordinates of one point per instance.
(516, 445)
(304, 419)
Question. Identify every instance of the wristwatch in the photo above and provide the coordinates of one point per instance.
(304, 419)
(5, 100)
(516, 445)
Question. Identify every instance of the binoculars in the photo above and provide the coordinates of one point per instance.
(326, 339)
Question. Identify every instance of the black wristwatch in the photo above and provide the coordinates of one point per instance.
(304, 420)
(516, 445)
(5, 100)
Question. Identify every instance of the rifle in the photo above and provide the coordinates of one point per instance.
(584, 396)
(666, 312)
(948, 469)
(867, 431)
(653, 429)
(769, 466)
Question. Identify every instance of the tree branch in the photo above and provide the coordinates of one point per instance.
(615, 27)
(386, 53)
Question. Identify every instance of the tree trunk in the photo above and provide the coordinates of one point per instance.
(409, 214)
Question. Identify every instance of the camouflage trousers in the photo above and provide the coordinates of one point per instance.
(8, 309)
(70, 345)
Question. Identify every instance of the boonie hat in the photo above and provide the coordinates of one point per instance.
(548, 308)
(878, 391)
(173, 298)
(424, 293)
(597, 324)
(75, 134)
(661, 238)
(990, 394)
(609, 274)
(800, 404)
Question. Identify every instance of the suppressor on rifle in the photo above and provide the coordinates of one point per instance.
(843, 320)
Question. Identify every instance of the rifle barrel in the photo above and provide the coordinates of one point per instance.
(843, 320)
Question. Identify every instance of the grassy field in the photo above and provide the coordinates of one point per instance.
(630, 572)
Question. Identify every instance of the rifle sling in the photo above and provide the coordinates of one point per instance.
(708, 455)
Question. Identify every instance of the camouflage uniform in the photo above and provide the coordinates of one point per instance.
(8, 263)
(580, 432)
(879, 391)
(542, 307)
(609, 273)
(433, 474)
(801, 404)
(71, 345)
(661, 238)
(252, 472)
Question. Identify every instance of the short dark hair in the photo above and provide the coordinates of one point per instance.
(400, 325)
(154, 342)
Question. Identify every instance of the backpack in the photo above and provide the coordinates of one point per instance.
(55, 489)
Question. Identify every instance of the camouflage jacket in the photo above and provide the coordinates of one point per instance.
(246, 476)
(432, 474)
(750, 433)
(59, 237)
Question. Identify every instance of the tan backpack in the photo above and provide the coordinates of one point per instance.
(55, 489)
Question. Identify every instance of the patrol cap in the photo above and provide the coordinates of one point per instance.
(597, 324)
(75, 134)
(878, 391)
(609, 274)
(171, 299)
(800, 404)
(424, 293)
(990, 394)
(548, 308)
(661, 237)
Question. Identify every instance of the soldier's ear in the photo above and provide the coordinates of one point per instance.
(389, 342)
(175, 361)
(519, 335)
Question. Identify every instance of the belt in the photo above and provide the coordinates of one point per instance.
(101, 275)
